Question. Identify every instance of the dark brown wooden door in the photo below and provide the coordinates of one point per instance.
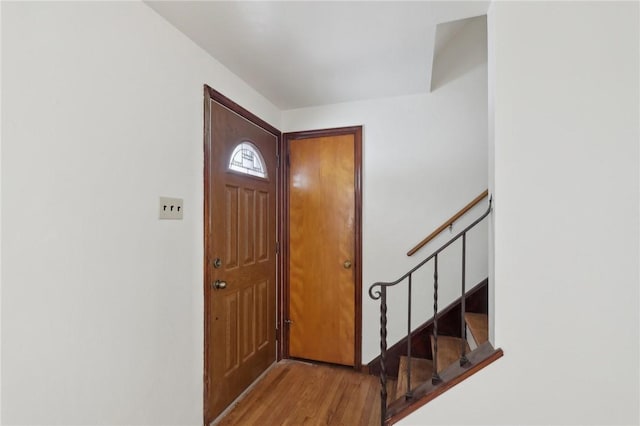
(323, 259)
(240, 271)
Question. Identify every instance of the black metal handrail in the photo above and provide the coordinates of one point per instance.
(381, 294)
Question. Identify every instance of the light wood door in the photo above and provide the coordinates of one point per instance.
(322, 249)
(240, 271)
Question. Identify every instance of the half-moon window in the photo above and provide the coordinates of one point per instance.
(246, 158)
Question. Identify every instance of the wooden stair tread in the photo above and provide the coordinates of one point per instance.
(479, 358)
(421, 371)
(391, 391)
(448, 350)
(478, 325)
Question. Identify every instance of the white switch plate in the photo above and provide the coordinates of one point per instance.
(171, 208)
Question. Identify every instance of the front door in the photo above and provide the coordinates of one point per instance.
(240, 252)
(324, 245)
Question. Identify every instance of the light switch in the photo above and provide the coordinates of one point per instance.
(171, 208)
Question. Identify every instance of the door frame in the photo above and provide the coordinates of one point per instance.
(212, 94)
(356, 131)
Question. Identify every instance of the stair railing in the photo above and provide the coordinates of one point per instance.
(381, 294)
(449, 222)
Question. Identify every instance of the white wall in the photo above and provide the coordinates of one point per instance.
(566, 221)
(1, 216)
(102, 310)
(424, 157)
(491, 71)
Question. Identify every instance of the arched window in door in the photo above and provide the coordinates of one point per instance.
(246, 158)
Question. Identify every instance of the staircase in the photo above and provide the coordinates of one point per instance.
(439, 354)
(419, 368)
(422, 368)
(449, 369)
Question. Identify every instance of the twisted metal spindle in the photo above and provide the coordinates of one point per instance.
(463, 329)
(383, 355)
(435, 378)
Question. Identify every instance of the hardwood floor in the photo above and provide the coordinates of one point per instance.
(298, 393)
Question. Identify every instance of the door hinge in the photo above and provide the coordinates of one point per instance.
(277, 247)
(277, 335)
(277, 161)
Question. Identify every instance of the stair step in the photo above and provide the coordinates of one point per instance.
(478, 325)
(484, 355)
(391, 390)
(448, 350)
(421, 371)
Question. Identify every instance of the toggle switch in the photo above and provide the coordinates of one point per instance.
(170, 208)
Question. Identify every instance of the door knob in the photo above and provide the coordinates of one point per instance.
(219, 285)
(347, 264)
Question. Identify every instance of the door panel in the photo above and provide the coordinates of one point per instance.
(322, 249)
(240, 231)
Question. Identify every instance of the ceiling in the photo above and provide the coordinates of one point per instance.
(306, 53)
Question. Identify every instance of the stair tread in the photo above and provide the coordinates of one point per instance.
(421, 371)
(479, 326)
(391, 395)
(448, 350)
(479, 358)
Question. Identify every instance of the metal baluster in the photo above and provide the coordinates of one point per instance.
(409, 394)
(383, 355)
(463, 329)
(435, 378)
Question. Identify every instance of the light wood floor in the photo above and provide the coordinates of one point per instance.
(297, 393)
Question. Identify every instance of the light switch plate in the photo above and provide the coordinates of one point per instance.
(171, 208)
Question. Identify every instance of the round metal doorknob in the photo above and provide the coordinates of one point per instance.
(219, 285)
(347, 264)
